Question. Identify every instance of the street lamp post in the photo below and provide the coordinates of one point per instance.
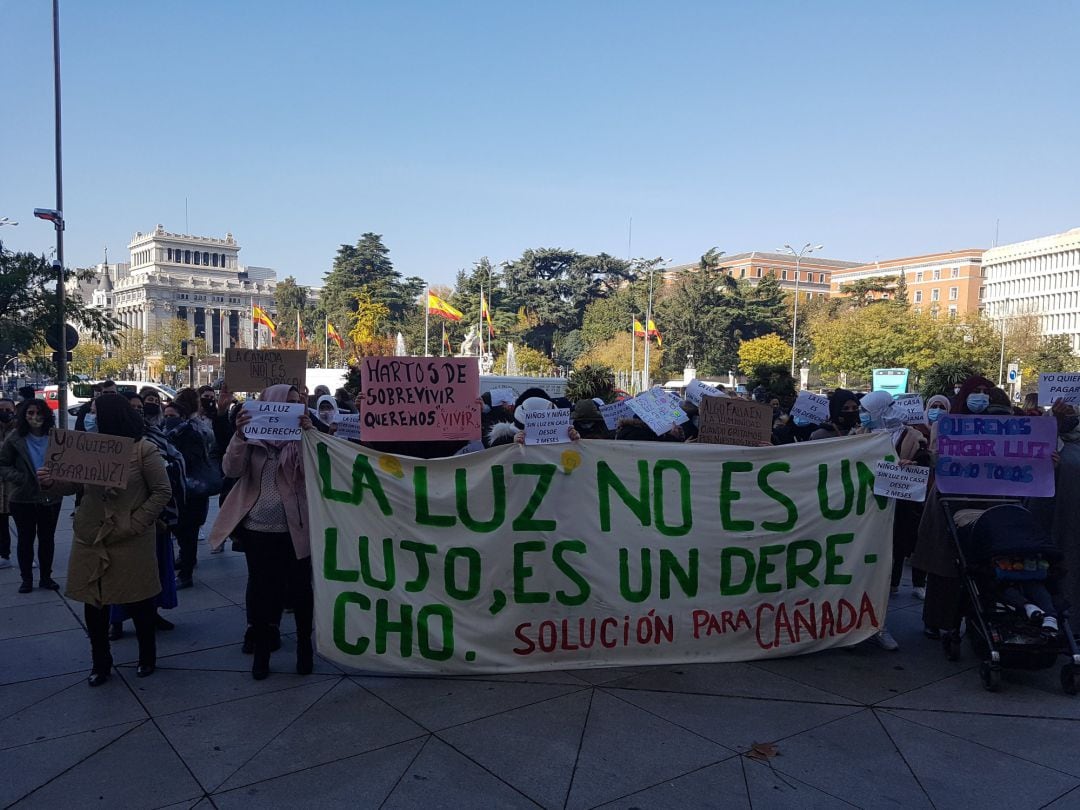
(807, 249)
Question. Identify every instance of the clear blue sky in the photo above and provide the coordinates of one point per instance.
(459, 130)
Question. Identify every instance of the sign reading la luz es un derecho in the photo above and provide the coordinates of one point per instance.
(595, 554)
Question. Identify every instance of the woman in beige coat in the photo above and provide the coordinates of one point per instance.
(113, 559)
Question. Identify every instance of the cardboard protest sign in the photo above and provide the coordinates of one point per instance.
(80, 457)
(903, 483)
(722, 420)
(547, 427)
(996, 455)
(814, 408)
(408, 399)
(698, 389)
(348, 426)
(252, 370)
(595, 554)
(1053, 387)
(614, 411)
(910, 408)
(657, 410)
(274, 421)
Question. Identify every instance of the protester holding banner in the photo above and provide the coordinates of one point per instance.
(35, 510)
(843, 415)
(113, 558)
(267, 510)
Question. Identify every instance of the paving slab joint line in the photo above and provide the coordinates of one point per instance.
(1057, 799)
(581, 743)
(907, 764)
(847, 702)
(404, 771)
(71, 734)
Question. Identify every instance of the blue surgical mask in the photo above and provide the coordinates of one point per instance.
(977, 403)
(90, 423)
(801, 421)
(865, 419)
(934, 414)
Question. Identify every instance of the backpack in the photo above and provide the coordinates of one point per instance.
(202, 475)
(177, 472)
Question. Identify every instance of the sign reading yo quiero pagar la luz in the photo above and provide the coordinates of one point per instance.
(252, 370)
(80, 457)
(595, 554)
(406, 399)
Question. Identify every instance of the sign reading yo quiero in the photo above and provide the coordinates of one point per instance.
(79, 457)
(996, 455)
(595, 554)
(420, 399)
(252, 370)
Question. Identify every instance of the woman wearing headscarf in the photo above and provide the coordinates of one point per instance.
(934, 551)
(267, 510)
(843, 415)
(35, 510)
(113, 555)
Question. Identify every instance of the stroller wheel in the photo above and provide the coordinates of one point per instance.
(1070, 679)
(991, 676)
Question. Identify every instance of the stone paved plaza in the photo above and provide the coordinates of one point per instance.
(862, 727)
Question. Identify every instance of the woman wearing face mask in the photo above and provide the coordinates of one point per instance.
(267, 510)
(7, 425)
(934, 552)
(843, 415)
(113, 559)
(35, 510)
(151, 406)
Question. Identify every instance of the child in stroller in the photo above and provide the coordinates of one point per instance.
(1016, 565)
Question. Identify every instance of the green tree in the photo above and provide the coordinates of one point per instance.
(531, 362)
(589, 381)
(366, 266)
(291, 298)
(758, 354)
(945, 377)
(1055, 354)
(901, 296)
(611, 315)
(866, 291)
(127, 352)
(163, 346)
(28, 304)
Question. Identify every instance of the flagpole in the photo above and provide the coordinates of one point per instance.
(480, 326)
(254, 327)
(326, 342)
(427, 307)
(298, 329)
(633, 356)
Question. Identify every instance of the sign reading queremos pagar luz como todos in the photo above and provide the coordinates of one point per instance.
(595, 553)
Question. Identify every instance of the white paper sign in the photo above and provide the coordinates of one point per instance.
(614, 411)
(697, 389)
(551, 426)
(348, 426)
(1053, 387)
(656, 409)
(814, 408)
(902, 483)
(274, 421)
(910, 408)
(502, 396)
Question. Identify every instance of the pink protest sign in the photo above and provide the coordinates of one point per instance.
(996, 455)
(410, 399)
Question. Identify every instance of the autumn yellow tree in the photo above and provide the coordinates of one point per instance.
(616, 353)
(530, 362)
(762, 352)
(366, 322)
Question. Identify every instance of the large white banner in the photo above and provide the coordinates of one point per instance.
(594, 554)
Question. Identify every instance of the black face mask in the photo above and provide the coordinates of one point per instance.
(150, 409)
(846, 420)
(1068, 424)
(172, 422)
(5, 416)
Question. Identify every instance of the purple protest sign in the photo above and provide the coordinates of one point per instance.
(996, 455)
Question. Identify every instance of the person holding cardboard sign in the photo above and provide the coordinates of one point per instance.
(267, 510)
(35, 511)
(114, 553)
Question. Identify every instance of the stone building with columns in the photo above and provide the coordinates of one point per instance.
(195, 279)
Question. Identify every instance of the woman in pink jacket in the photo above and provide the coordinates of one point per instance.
(267, 510)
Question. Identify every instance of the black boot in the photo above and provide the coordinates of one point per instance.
(147, 638)
(260, 666)
(102, 666)
(305, 655)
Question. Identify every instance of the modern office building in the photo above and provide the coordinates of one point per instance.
(946, 283)
(1037, 277)
(815, 274)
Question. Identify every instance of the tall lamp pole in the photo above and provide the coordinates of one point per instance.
(56, 217)
(807, 249)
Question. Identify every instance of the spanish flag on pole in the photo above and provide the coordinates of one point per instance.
(437, 306)
(332, 333)
(485, 313)
(639, 330)
(259, 316)
(654, 332)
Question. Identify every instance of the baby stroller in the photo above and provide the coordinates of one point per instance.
(1005, 561)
